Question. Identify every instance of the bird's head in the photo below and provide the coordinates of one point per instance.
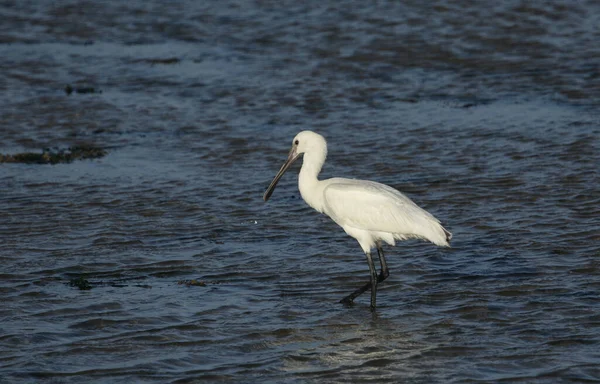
(309, 142)
(306, 142)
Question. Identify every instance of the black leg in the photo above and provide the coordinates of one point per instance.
(350, 298)
(373, 281)
(385, 272)
(382, 276)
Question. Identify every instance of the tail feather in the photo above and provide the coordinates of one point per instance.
(448, 235)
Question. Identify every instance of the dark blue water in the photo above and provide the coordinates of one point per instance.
(484, 113)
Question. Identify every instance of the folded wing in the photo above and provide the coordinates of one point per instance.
(377, 207)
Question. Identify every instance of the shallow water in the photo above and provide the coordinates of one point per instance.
(484, 114)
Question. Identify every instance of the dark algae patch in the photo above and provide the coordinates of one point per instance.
(55, 156)
(84, 284)
(167, 61)
(80, 283)
(191, 283)
(82, 90)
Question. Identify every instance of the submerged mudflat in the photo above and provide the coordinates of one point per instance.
(54, 156)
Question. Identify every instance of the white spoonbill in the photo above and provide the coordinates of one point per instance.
(368, 211)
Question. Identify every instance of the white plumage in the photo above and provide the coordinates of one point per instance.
(368, 211)
(379, 212)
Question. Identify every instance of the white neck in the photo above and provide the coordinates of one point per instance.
(309, 185)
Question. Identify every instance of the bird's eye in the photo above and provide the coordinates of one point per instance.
(296, 142)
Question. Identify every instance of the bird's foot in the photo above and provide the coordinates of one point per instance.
(348, 300)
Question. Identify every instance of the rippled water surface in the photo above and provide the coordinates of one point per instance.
(485, 113)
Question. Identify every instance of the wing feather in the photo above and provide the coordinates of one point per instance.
(372, 206)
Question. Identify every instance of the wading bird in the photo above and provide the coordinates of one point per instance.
(368, 211)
